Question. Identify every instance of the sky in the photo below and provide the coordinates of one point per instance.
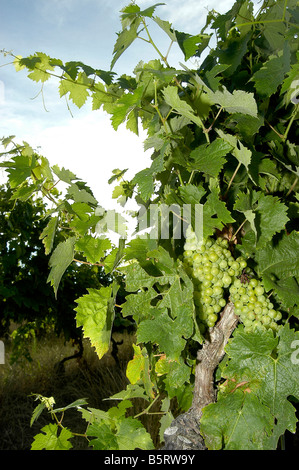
(85, 30)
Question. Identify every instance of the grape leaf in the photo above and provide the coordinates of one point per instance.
(209, 158)
(278, 258)
(124, 40)
(215, 214)
(242, 153)
(125, 434)
(169, 334)
(287, 289)
(268, 78)
(145, 178)
(64, 175)
(271, 217)
(237, 421)
(48, 234)
(93, 248)
(49, 440)
(172, 98)
(78, 90)
(265, 364)
(237, 102)
(39, 63)
(95, 313)
(60, 259)
(125, 105)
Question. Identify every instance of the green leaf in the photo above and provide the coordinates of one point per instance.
(95, 313)
(145, 178)
(75, 404)
(80, 195)
(64, 175)
(124, 40)
(271, 217)
(131, 435)
(278, 258)
(93, 248)
(192, 45)
(48, 234)
(37, 412)
(237, 102)
(78, 89)
(215, 214)
(209, 158)
(39, 63)
(242, 153)
(167, 333)
(125, 105)
(238, 421)
(61, 258)
(268, 78)
(50, 440)
(172, 98)
(287, 289)
(267, 367)
(20, 168)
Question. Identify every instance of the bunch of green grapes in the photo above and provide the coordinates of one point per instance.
(213, 269)
(216, 274)
(252, 305)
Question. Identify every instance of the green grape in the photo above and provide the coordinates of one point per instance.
(259, 290)
(215, 275)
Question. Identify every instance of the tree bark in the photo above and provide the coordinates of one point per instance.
(184, 431)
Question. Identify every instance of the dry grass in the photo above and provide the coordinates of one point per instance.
(85, 378)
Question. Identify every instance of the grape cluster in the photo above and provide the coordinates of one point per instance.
(253, 306)
(217, 275)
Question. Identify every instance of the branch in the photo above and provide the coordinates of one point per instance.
(184, 431)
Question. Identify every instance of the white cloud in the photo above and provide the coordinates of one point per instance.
(91, 148)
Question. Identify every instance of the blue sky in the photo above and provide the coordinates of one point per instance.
(82, 30)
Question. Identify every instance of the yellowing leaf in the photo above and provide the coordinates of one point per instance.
(136, 365)
(95, 313)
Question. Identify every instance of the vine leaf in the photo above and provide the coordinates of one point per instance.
(78, 89)
(93, 248)
(271, 74)
(209, 158)
(264, 364)
(166, 332)
(172, 98)
(239, 420)
(61, 258)
(49, 439)
(48, 234)
(279, 259)
(113, 431)
(95, 313)
(237, 102)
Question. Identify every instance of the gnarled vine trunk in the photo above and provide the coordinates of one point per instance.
(184, 431)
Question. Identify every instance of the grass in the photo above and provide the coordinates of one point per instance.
(87, 378)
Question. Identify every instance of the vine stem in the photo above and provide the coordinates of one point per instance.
(293, 186)
(235, 234)
(148, 408)
(86, 262)
(232, 178)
